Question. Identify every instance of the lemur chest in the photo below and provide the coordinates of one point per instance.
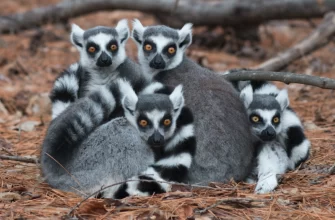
(92, 82)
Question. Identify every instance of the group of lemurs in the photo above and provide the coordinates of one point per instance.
(164, 120)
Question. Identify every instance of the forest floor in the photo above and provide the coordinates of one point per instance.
(31, 60)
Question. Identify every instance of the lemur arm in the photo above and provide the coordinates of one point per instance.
(157, 87)
(173, 165)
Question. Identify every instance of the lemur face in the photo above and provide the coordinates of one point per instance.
(161, 47)
(154, 115)
(265, 112)
(101, 47)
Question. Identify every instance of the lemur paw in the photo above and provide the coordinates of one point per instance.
(266, 184)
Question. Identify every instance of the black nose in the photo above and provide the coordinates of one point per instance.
(157, 62)
(104, 60)
(268, 134)
(156, 139)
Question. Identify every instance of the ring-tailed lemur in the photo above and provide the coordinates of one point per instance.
(292, 135)
(102, 60)
(166, 125)
(266, 116)
(224, 148)
(79, 154)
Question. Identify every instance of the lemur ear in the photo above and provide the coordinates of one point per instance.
(138, 30)
(128, 96)
(77, 36)
(123, 30)
(185, 36)
(177, 98)
(283, 99)
(247, 96)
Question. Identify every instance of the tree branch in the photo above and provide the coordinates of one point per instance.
(320, 37)
(223, 13)
(285, 77)
(20, 159)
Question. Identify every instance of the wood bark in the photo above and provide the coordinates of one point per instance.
(223, 13)
(285, 77)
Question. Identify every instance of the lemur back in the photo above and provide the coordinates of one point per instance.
(221, 119)
(292, 136)
(102, 61)
(265, 115)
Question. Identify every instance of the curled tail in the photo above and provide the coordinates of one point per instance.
(65, 90)
(68, 130)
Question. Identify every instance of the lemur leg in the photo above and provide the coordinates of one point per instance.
(271, 161)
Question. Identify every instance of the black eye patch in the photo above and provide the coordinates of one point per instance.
(255, 119)
(170, 50)
(143, 117)
(149, 47)
(95, 46)
(112, 46)
(164, 120)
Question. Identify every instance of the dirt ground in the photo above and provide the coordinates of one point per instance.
(31, 60)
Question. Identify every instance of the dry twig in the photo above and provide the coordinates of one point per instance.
(320, 37)
(21, 159)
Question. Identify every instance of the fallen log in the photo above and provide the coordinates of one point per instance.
(211, 13)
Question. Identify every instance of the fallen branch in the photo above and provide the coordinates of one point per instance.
(232, 200)
(320, 37)
(20, 159)
(223, 13)
(285, 77)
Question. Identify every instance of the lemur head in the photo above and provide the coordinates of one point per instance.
(101, 48)
(265, 112)
(161, 47)
(154, 115)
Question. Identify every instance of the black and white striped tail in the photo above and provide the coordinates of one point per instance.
(171, 165)
(65, 90)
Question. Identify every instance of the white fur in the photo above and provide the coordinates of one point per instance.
(58, 107)
(108, 98)
(283, 100)
(77, 33)
(186, 132)
(177, 97)
(123, 30)
(267, 115)
(138, 27)
(67, 81)
(181, 159)
(74, 67)
(184, 32)
(126, 89)
(152, 88)
(247, 96)
(155, 117)
(290, 119)
(267, 89)
(272, 160)
(151, 172)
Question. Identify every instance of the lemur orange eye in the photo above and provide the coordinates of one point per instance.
(275, 120)
(143, 123)
(171, 50)
(148, 47)
(255, 119)
(113, 47)
(91, 49)
(167, 122)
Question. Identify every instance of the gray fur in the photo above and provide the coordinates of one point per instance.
(224, 138)
(154, 101)
(264, 102)
(100, 29)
